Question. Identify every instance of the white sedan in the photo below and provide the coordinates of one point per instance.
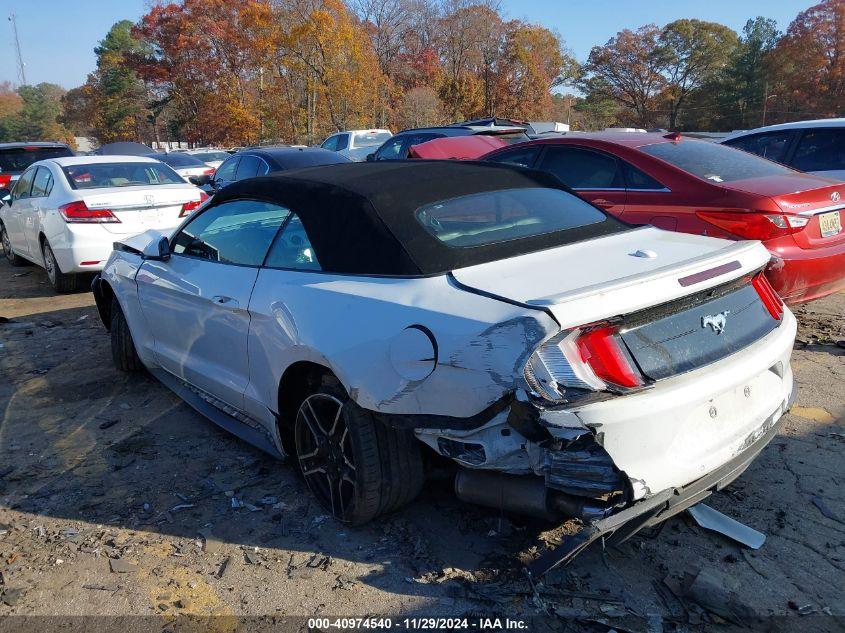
(374, 319)
(65, 213)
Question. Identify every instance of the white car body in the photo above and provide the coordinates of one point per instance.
(200, 153)
(445, 354)
(81, 247)
(799, 144)
(356, 144)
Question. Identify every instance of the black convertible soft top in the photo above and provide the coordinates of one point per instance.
(360, 217)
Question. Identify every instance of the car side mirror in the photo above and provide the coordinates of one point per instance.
(157, 250)
(6, 196)
(371, 157)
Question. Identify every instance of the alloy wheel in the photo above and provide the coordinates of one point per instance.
(7, 244)
(325, 455)
(49, 263)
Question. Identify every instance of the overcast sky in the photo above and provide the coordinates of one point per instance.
(58, 36)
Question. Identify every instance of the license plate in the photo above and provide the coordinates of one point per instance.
(830, 223)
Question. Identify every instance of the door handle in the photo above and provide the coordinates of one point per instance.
(226, 302)
(602, 202)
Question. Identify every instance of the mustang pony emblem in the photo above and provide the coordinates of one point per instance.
(716, 321)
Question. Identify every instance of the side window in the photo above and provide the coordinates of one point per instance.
(821, 149)
(583, 168)
(226, 171)
(391, 149)
(235, 232)
(23, 185)
(330, 143)
(292, 248)
(342, 142)
(636, 179)
(263, 168)
(416, 139)
(523, 156)
(42, 184)
(248, 167)
(771, 145)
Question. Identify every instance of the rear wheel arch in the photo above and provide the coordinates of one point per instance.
(298, 380)
(103, 296)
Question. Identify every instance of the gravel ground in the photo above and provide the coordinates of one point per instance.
(117, 499)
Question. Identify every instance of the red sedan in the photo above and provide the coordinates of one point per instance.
(693, 186)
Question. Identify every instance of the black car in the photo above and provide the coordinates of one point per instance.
(259, 161)
(397, 146)
(16, 157)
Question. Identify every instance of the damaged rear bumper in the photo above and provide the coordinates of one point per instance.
(618, 527)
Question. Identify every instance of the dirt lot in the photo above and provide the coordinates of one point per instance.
(117, 499)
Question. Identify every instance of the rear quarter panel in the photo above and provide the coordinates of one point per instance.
(348, 323)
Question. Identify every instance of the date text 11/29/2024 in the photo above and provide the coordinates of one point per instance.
(420, 623)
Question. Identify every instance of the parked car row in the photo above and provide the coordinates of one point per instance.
(693, 186)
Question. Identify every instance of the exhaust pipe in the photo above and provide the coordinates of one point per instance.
(522, 494)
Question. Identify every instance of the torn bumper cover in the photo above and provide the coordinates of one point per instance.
(621, 525)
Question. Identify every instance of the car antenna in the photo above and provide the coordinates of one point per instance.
(673, 136)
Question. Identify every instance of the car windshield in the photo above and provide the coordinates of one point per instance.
(98, 175)
(714, 162)
(506, 214)
(19, 158)
(210, 156)
(178, 160)
(512, 138)
(370, 139)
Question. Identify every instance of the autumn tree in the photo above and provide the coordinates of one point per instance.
(630, 69)
(419, 107)
(327, 68)
(694, 52)
(37, 118)
(809, 62)
(533, 63)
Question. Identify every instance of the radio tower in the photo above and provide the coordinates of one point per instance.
(21, 73)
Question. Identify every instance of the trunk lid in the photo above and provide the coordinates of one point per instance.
(141, 208)
(615, 275)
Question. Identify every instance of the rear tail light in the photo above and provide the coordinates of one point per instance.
(768, 296)
(5, 181)
(753, 225)
(602, 351)
(208, 171)
(189, 207)
(576, 361)
(78, 212)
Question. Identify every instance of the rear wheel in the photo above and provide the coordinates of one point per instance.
(122, 346)
(14, 260)
(60, 281)
(357, 467)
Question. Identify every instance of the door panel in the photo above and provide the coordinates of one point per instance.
(196, 302)
(197, 315)
(18, 211)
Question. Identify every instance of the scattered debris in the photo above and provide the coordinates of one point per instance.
(825, 510)
(711, 519)
(211, 545)
(714, 591)
(109, 423)
(120, 566)
(11, 596)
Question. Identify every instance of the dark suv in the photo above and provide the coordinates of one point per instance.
(16, 157)
(398, 146)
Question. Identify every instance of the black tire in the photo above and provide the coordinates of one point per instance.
(122, 346)
(384, 464)
(11, 257)
(60, 281)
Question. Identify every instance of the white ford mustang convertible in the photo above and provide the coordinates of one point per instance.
(371, 319)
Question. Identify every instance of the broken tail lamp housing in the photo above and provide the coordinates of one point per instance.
(770, 298)
(581, 361)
